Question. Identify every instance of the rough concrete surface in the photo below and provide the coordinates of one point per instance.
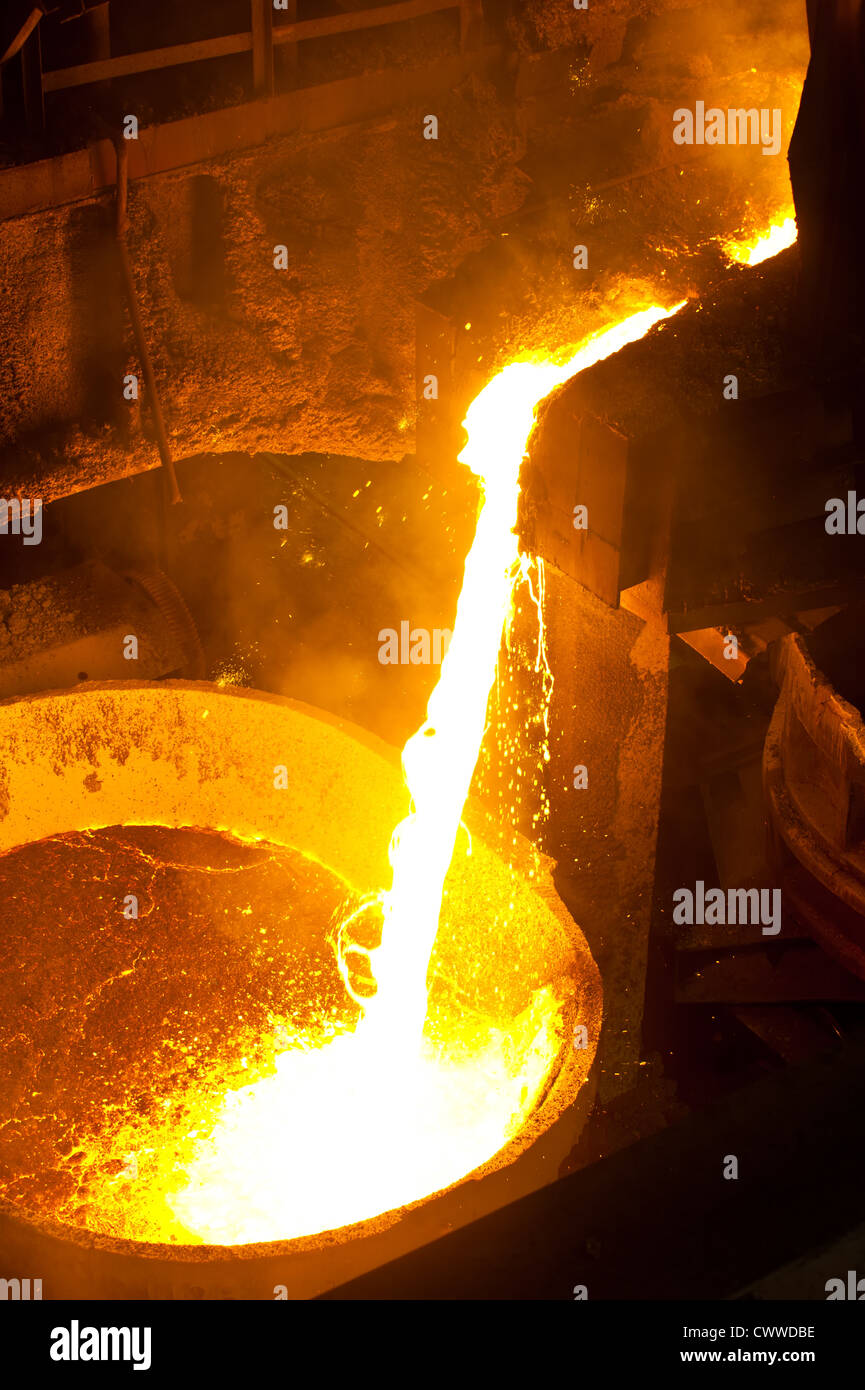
(319, 355)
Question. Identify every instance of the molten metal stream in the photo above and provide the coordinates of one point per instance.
(439, 760)
(367, 1121)
(351, 1124)
(765, 245)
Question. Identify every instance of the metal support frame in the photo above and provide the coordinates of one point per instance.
(261, 17)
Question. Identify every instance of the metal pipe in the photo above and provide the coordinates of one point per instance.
(23, 34)
(122, 226)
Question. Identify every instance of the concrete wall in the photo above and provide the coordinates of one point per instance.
(319, 356)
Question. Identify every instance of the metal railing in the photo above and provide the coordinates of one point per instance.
(262, 38)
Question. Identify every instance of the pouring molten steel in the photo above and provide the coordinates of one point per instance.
(395, 1109)
(389, 1113)
(762, 246)
(367, 1102)
(439, 760)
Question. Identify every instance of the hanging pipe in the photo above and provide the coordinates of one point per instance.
(122, 152)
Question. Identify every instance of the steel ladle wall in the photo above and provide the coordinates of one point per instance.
(191, 754)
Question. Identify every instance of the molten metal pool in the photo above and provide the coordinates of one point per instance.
(184, 1063)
